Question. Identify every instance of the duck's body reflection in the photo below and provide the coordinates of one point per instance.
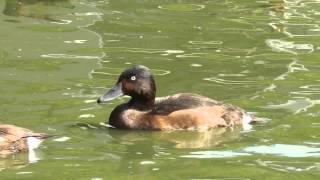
(180, 138)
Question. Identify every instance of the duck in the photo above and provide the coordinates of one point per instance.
(183, 111)
(14, 139)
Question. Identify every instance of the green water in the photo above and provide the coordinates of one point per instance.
(57, 57)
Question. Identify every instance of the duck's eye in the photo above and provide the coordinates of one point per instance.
(133, 78)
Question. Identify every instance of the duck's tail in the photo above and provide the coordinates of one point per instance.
(249, 119)
(258, 120)
(43, 136)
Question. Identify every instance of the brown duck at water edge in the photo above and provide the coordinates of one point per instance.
(15, 139)
(179, 111)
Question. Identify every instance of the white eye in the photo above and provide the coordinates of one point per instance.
(133, 78)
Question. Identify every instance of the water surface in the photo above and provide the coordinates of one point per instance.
(57, 57)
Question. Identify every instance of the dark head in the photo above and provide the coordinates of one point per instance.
(137, 82)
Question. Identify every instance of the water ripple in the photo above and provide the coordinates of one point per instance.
(195, 65)
(231, 75)
(62, 21)
(295, 166)
(289, 47)
(214, 154)
(160, 72)
(128, 49)
(68, 56)
(305, 92)
(309, 90)
(292, 67)
(224, 81)
(62, 139)
(117, 71)
(285, 150)
(182, 7)
(89, 14)
(206, 42)
(297, 30)
(297, 105)
(190, 55)
(78, 41)
(86, 116)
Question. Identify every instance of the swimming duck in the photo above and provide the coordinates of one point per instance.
(180, 111)
(14, 139)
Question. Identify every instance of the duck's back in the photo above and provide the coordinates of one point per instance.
(169, 104)
(15, 139)
(191, 110)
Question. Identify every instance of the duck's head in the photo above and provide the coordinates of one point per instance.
(137, 82)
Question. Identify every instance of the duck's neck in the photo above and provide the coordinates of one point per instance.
(142, 103)
(144, 99)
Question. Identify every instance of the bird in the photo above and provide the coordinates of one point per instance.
(183, 111)
(14, 139)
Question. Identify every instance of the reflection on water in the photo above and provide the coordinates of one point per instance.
(196, 139)
(180, 139)
(20, 160)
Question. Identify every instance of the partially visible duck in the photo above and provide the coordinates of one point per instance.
(14, 139)
(179, 111)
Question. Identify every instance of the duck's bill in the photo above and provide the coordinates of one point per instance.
(113, 93)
